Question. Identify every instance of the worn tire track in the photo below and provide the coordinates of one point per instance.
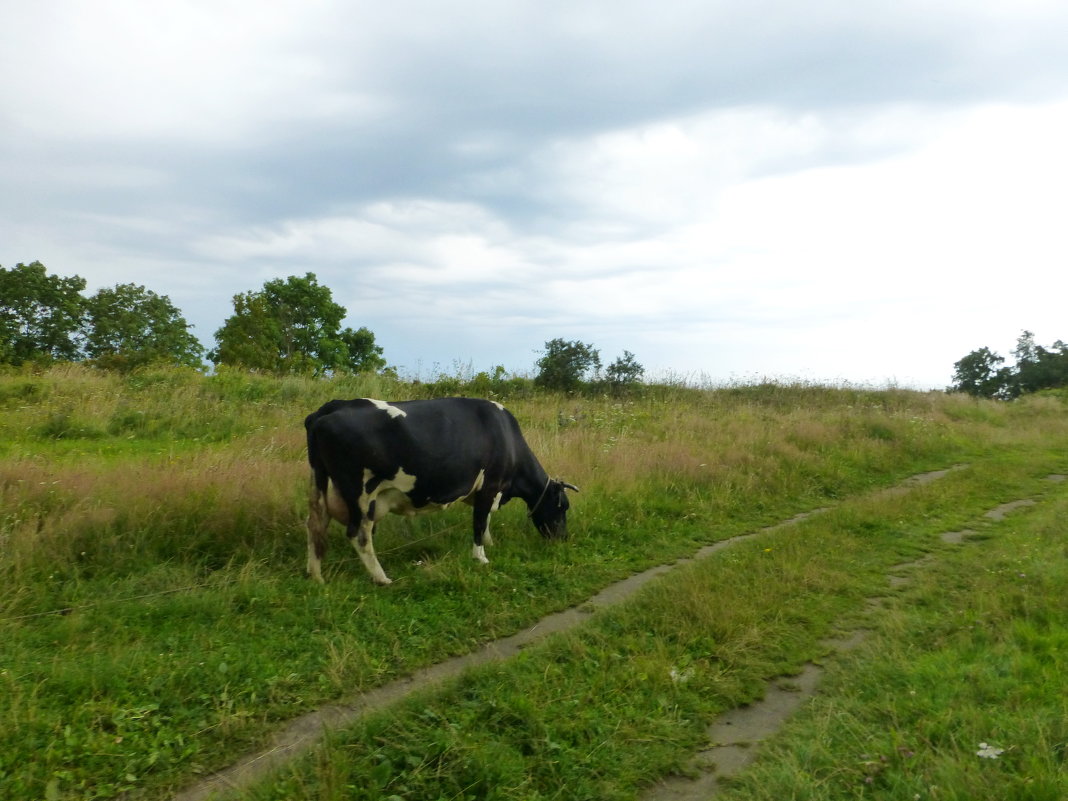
(303, 733)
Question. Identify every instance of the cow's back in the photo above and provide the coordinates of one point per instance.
(442, 441)
(348, 434)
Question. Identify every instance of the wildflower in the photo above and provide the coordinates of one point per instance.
(681, 676)
(989, 751)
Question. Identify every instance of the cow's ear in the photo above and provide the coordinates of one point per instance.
(565, 485)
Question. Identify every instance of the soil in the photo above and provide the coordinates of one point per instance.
(734, 737)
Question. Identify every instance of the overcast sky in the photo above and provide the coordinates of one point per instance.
(833, 191)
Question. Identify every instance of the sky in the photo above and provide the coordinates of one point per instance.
(732, 190)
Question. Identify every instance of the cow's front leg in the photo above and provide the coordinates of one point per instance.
(362, 538)
(482, 533)
(485, 505)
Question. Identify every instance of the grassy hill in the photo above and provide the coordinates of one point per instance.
(155, 622)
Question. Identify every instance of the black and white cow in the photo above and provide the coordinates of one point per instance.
(369, 458)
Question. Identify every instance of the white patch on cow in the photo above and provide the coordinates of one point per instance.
(497, 502)
(478, 552)
(480, 479)
(389, 496)
(364, 501)
(498, 405)
(389, 409)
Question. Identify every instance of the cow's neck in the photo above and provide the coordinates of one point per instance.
(531, 483)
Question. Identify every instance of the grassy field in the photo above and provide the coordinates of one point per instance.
(155, 622)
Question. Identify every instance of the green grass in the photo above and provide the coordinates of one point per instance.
(155, 623)
(600, 712)
(974, 651)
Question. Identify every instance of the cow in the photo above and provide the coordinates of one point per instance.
(370, 458)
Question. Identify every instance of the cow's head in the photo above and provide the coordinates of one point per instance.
(549, 513)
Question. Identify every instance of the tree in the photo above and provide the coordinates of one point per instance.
(364, 356)
(40, 314)
(624, 371)
(293, 326)
(564, 364)
(978, 374)
(129, 326)
(1038, 367)
(250, 336)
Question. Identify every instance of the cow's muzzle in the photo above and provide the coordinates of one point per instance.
(557, 531)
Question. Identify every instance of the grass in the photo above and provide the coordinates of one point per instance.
(156, 624)
(957, 694)
(599, 712)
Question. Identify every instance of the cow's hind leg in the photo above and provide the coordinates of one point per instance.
(318, 520)
(361, 535)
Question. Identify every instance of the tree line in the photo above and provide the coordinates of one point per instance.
(289, 326)
(983, 372)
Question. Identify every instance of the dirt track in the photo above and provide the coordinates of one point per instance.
(732, 735)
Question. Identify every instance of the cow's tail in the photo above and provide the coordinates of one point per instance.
(315, 457)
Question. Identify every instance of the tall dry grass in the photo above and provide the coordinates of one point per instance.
(107, 473)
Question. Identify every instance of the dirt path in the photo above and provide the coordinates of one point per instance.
(732, 734)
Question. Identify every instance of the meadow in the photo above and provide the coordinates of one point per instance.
(155, 622)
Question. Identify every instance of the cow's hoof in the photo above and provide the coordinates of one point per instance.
(383, 581)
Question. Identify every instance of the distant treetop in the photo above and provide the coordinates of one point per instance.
(981, 373)
(46, 318)
(294, 326)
